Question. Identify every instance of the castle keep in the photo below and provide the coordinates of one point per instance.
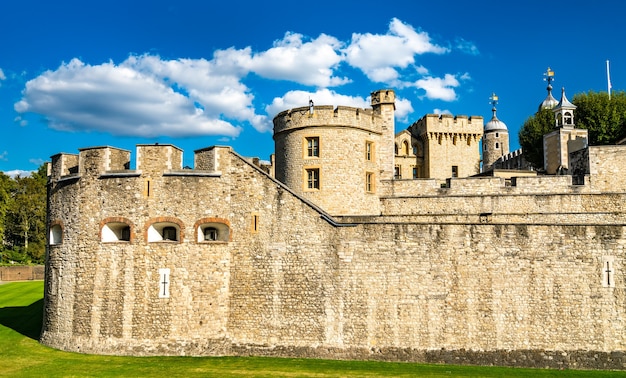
(363, 244)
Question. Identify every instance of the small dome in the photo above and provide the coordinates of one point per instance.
(550, 102)
(495, 124)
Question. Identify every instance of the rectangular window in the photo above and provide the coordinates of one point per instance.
(369, 182)
(313, 146)
(415, 172)
(455, 171)
(313, 178)
(369, 151)
(397, 173)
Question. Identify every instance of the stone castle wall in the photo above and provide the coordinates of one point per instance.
(495, 145)
(449, 142)
(341, 133)
(474, 270)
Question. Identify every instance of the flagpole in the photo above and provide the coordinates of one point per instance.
(608, 79)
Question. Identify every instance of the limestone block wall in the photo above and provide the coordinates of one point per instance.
(495, 145)
(529, 275)
(449, 142)
(342, 163)
(606, 166)
(63, 165)
(556, 147)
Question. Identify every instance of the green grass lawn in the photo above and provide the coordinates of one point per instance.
(22, 356)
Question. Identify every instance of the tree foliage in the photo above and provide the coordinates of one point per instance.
(23, 218)
(604, 119)
(531, 136)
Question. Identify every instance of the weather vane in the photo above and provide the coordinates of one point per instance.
(494, 100)
(549, 76)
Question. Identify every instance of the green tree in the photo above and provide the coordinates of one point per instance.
(25, 221)
(605, 119)
(6, 185)
(531, 136)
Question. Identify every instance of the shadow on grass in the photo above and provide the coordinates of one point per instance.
(25, 320)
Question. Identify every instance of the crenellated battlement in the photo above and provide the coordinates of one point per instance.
(325, 116)
(151, 160)
(448, 124)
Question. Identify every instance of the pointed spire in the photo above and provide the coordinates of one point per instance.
(564, 103)
(564, 112)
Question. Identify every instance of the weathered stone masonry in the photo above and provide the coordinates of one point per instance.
(477, 272)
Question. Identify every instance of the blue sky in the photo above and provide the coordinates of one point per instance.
(76, 74)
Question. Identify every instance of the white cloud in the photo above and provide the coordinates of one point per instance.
(4, 155)
(2, 76)
(297, 99)
(466, 46)
(20, 121)
(120, 99)
(309, 63)
(439, 88)
(441, 111)
(379, 56)
(36, 161)
(149, 96)
(18, 172)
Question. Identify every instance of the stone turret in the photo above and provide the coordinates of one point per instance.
(336, 156)
(450, 144)
(566, 138)
(495, 138)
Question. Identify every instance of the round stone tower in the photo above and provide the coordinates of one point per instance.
(336, 156)
(495, 138)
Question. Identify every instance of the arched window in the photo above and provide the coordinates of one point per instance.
(396, 148)
(56, 234)
(405, 148)
(115, 232)
(212, 230)
(568, 118)
(164, 231)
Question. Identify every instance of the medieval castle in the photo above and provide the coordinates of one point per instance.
(354, 243)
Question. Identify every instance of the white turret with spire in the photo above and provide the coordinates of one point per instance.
(495, 138)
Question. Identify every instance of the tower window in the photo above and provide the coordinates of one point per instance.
(369, 182)
(397, 172)
(210, 234)
(497, 135)
(369, 151)
(56, 234)
(115, 231)
(497, 145)
(169, 233)
(313, 178)
(313, 146)
(455, 171)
